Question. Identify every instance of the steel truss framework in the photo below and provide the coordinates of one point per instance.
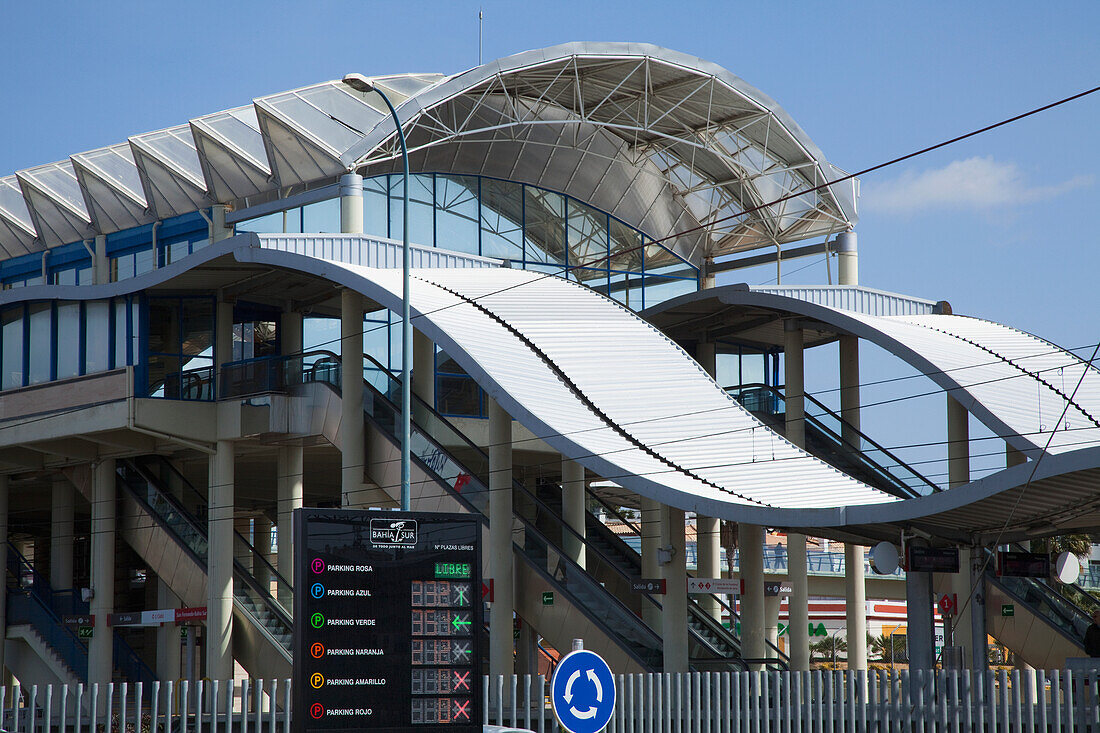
(663, 141)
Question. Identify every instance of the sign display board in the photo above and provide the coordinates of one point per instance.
(933, 559)
(1023, 564)
(388, 621)
(655, 586)
(729, 586)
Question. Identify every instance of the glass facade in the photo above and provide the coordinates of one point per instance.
(47, 340)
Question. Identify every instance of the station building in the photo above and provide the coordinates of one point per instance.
(200, 331)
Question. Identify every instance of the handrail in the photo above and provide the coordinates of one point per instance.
(811, 419)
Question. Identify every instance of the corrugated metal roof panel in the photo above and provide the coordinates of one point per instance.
(854, 298)
(360, 249)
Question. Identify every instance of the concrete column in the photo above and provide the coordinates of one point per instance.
(651, 540)
(771, 624)
(798, 629)
(351, 203)
(500, 540)
(223, 341)
(527, 653)
(261, 541)
(423, 372)
(61, 534)
(848, 259)
(573, 509)
(708, 554)
(219, 564)
(101, 271)
(958, 474)
(218, 228)
(100, 647)
(290, 487)
(751, 552)
(674, 604)
(352, 447)
(798, 604)
(855, 602)
(919, 621)
(4, 565)
(168, 636)
(708, 541)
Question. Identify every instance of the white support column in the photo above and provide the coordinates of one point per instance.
(798, 627)
(168, 637)
(771, 624)
(61, 533)
(958, 474)
(708, 547)
(674, 633)
(290, 498)
(855, 603)
(500, 541)
(708, 560)
(573, 509)
(219, 564)
(100, 647)
(848, 259)
(651, 540)
(218, 228)
(352, 447)
(101, 273)
(750, 549)
(261, 541)
(3, 564)
(351, 203)
(423, 372)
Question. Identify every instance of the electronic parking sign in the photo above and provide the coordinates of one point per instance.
(387, 621)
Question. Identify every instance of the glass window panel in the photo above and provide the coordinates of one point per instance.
(447, 365)
(12, 319)
(658, 289)
(268, 224)
(65, 277)
(501, 219)
(41, 337)
(163, 317)
(627, 289)
(376, 207)
(292, 220)
(544, 213)
(122, 267)
(321, 217)
(198, 325)
(321, 334)
(595, 279)
(143, 261)
(626, 247)
(421, 210)
(96, 336)
(68, 340)
(458, 396)
(197, 244)
(657, 256)
(163, 376)
(135, 332)
(729, 370)
(395, 343)
(376, 339)
(176, 251)
(396, 192)
(587, 235)
(550, 269)
(456, 213)
(121, 357)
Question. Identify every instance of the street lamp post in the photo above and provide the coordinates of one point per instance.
(363, 84)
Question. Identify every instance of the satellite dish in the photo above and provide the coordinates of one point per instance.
(1068, 568)
(884, 558)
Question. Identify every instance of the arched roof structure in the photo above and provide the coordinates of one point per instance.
(685, 444)
(661, 140)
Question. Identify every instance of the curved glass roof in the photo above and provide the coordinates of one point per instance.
(661, 140)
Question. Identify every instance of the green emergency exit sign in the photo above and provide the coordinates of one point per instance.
(548, 598)
(1008, 610)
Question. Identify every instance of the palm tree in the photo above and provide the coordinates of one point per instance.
(830, 650)
(889, 648)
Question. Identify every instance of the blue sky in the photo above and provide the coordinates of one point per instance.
(1000, 225)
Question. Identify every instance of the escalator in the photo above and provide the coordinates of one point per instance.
(1047, 626)
(163, 517)
(40, 649)
(867, 461)
(598, 595)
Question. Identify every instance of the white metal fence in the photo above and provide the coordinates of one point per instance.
(1060, 701)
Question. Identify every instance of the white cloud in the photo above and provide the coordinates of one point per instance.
(973, 183)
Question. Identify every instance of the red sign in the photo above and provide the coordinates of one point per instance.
(460, 481)
(949, 604)
(183, 615)
(487, 590)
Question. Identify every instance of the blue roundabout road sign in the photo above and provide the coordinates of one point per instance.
(582, 692)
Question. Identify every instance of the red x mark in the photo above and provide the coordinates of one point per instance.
(460, 709)
(462, 679)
